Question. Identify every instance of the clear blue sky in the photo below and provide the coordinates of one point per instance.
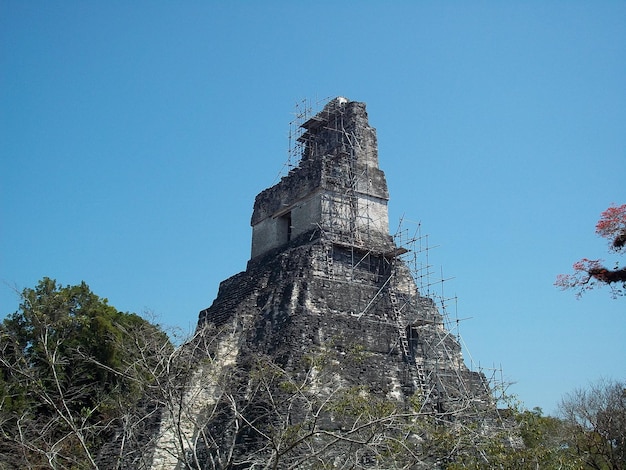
(134, 137)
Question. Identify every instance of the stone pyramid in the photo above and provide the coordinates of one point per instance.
(326, 325)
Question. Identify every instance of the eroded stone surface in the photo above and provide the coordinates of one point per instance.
(327, 301)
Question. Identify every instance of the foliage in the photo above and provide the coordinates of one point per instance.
(612, 225)
(269, 417)
(83, 385)
(589, 274)
(596, 424)
(540, 444)
(66, 375)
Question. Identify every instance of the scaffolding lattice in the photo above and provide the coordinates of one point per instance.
(432, 343)
(445, 387)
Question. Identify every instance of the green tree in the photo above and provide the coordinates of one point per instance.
(532, 441)
(69, 375)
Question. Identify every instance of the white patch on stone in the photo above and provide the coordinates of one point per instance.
(180, 424)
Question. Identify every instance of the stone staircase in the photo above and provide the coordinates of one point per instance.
(230, 296)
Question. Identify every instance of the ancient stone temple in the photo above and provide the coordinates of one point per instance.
(323, 352)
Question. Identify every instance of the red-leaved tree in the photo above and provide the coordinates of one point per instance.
(591, 273)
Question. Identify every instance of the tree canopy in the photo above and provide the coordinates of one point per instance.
(85, 386)
(595, 418)
(591, 273)
(67, 375)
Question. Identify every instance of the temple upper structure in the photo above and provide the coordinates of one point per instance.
(337, 192)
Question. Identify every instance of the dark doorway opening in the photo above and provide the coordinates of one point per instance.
(285, 227)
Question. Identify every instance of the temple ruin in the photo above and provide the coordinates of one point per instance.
(327, 309)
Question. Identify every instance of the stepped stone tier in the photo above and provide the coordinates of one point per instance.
(326, 289)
